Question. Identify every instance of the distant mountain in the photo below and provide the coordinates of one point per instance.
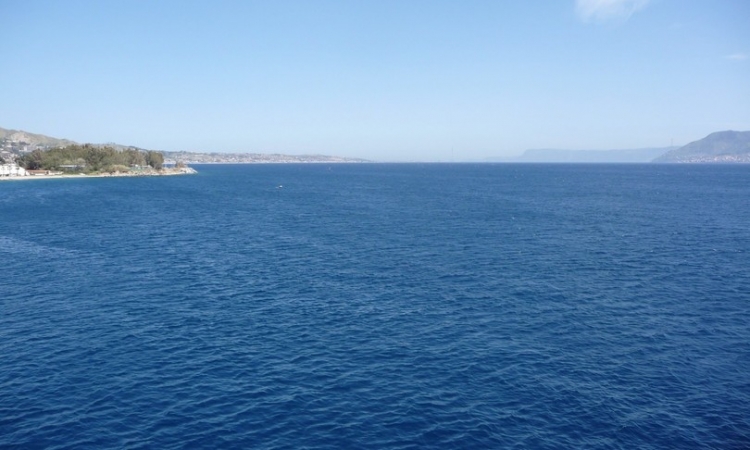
(721, 147)
(641, 155)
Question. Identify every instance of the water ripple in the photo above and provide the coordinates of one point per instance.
(395, 306)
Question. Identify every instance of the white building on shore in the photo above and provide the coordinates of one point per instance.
(12, 170)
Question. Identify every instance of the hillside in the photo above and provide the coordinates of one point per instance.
(719, 147)
(20, 140)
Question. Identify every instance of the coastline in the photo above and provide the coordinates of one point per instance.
(162, 173)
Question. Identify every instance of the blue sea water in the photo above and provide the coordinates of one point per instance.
(378, 306)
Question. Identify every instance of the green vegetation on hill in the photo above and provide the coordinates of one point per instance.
(90, 159)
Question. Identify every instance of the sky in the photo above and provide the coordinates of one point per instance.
(386, 80)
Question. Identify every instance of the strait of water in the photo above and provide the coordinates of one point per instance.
(378, 306)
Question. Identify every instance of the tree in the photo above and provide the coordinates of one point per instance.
(94, 158)
(32, 161)
(89, 158)
(155, 159)
(132, 157)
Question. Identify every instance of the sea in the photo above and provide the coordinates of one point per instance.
(378, 306)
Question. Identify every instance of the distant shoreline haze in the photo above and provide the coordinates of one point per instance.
(719, 147)
(593, 156)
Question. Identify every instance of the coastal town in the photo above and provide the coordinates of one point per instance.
(254, 158)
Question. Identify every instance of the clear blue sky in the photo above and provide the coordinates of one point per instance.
(398, 80)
